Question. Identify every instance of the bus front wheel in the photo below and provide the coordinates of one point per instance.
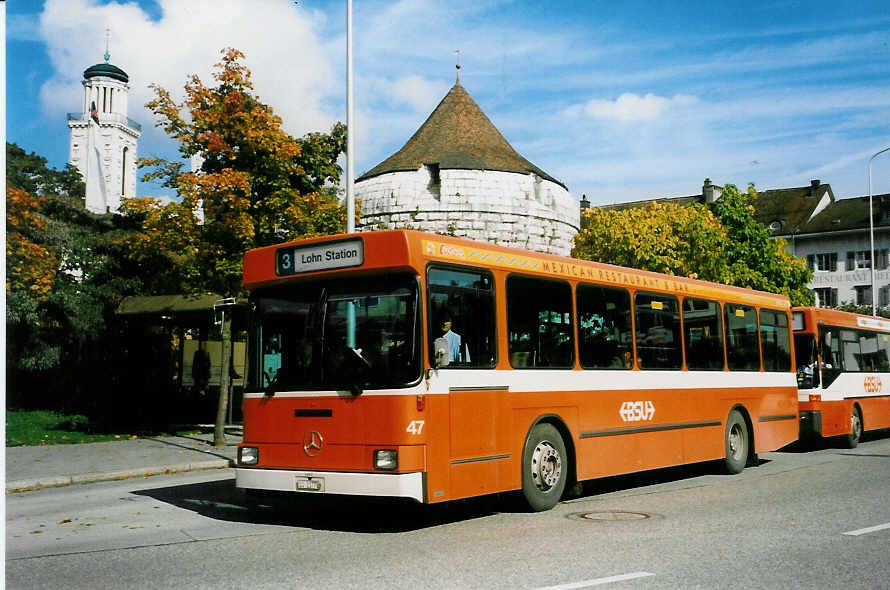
(544, 467)
(736, 442)
(852, 439)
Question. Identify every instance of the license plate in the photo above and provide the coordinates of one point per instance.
(310, 484)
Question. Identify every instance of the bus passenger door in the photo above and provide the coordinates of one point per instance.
(479, 427)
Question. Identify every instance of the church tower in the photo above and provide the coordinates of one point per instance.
(103, 139)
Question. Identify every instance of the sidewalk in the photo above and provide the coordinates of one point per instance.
(33, 468)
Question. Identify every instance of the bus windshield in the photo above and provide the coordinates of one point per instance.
(337, 335)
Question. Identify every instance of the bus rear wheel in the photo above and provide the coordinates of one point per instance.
(737, 443)
(852, 439)
(544, 467)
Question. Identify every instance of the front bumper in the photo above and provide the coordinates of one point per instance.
(399, 485)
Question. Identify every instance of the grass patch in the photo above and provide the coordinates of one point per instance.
(32, 428)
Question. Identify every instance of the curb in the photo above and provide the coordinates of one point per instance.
(28, 485)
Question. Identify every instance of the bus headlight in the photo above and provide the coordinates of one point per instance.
(386, 459)
(248, 455)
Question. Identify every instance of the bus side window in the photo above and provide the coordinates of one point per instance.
(742, 350)
(539, 322)
(465, 296)
(703, 332)
(868, 346)
(852, 353)
(774, 340)
(658, 331)
(830, 344)
(604, 331)
(883, 356)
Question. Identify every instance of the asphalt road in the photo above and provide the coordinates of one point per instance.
(815, 519)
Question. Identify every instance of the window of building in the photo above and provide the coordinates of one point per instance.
(465, 298)
(774, 340)
(539, 323)
(825, 262)
(703, 334)
(825, 296)
(858, 259)
(882, 259)
(863, 294)
(658, 331)
(124, 172)
(742, 350)
(605, 337)
(435, 184)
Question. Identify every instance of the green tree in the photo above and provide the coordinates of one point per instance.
(257, 186)
(720, 242)
(64, 282)
(756, 260)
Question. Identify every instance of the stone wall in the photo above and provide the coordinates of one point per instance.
(506, 208)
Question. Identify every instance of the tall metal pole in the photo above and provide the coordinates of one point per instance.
(350, 163)
(350, 127)
(871, 230)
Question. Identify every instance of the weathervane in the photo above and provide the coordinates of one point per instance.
(107, 37)
(457, 53)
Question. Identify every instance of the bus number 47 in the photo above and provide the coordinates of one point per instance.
(637, 411)
(415, 427)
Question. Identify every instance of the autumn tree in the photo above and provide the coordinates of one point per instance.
(257, 185)
(673, 239)
(720, 242)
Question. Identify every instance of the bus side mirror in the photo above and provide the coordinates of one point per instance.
(442, 351)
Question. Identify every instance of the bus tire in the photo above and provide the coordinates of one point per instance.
(851, 441)
(736, 443)
(544, 467)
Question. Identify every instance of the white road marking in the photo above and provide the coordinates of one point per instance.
(871, 529)
(598, 581)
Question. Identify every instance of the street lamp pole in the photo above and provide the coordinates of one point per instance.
(350, 163)
(350, 127)
(871, 231)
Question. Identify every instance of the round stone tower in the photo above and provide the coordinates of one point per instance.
(103, 139)
(457, 175)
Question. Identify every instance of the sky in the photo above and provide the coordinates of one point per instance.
(620, 101)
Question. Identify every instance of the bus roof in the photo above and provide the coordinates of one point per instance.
(391, 250)
(843, 319)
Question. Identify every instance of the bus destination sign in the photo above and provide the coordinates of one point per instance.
(300, 259)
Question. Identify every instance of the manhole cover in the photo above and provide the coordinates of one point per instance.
(613, 515)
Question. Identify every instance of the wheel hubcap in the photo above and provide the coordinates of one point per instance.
(546, 466)
(735, 441)
(856, 424)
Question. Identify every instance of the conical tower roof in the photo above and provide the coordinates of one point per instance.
(458, 135)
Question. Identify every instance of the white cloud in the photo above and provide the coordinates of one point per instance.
(633, 107)
(418, 93)
(290, 69)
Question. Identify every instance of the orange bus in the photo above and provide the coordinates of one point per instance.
(843, 361)
(408, 364)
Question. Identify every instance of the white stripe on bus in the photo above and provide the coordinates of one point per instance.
(550, 380)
